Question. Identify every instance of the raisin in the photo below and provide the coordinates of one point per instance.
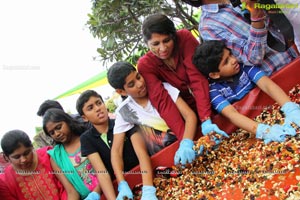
(271, 166)
(251, 180)
(252, 197)
(203, 198)
(289, 149)
(218, 184)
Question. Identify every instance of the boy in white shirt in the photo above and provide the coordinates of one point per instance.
(136, 112)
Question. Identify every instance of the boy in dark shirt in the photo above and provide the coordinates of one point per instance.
(96, 142)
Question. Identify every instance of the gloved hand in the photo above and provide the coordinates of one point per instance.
(274, 133)
(292, 113)
(124, 191)
(148, 193)
(93, 196)
(208, 127)
(185, 152)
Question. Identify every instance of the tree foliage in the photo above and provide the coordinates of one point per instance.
(117, 24)
(110, 105)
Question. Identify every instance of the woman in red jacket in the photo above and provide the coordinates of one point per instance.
(170, 60)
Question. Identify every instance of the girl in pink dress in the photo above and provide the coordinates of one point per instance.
(66, 154)
(29, 175)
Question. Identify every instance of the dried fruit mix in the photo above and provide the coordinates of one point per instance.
(240, 164)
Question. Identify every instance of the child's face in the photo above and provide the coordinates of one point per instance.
(135, 85)
(22, 158)
(161, 45)
(59, 131)
(95, 111)
(229, 65)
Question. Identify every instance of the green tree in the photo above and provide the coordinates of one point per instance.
(117, 23)
(110, 105)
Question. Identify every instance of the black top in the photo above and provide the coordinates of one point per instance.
(91, 142)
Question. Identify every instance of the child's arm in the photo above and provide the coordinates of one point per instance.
(140, 149)
(273, 90)
(240, 120)
(148, 191)
(95, 194)
(118, 166)
(71, 192)
(116, 156)
(97, 189)
(103, 178)
(189, 117)
(290, 109)
(5, 192)
(261, 131)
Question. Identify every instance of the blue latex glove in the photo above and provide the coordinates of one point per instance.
(93, 196)
(124, 191)
(148, 193)
(208, 127)
(185, 152)
(292, 113)
(276, 133)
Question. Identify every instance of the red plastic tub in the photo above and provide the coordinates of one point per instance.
(251, 105)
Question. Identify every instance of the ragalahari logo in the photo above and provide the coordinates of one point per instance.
(269, 6)
(275, 6)
(244, 5)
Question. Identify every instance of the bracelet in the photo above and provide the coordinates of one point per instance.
(257, 19)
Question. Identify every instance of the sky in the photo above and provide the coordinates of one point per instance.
(45, 49)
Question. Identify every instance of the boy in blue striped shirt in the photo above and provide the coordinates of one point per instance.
(230, 81)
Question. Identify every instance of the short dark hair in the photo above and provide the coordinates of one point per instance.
(46, 105)
(208, 56)
(13, 139)
(118, 73)
(158, 23)
(57, 115)
(84, 97)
